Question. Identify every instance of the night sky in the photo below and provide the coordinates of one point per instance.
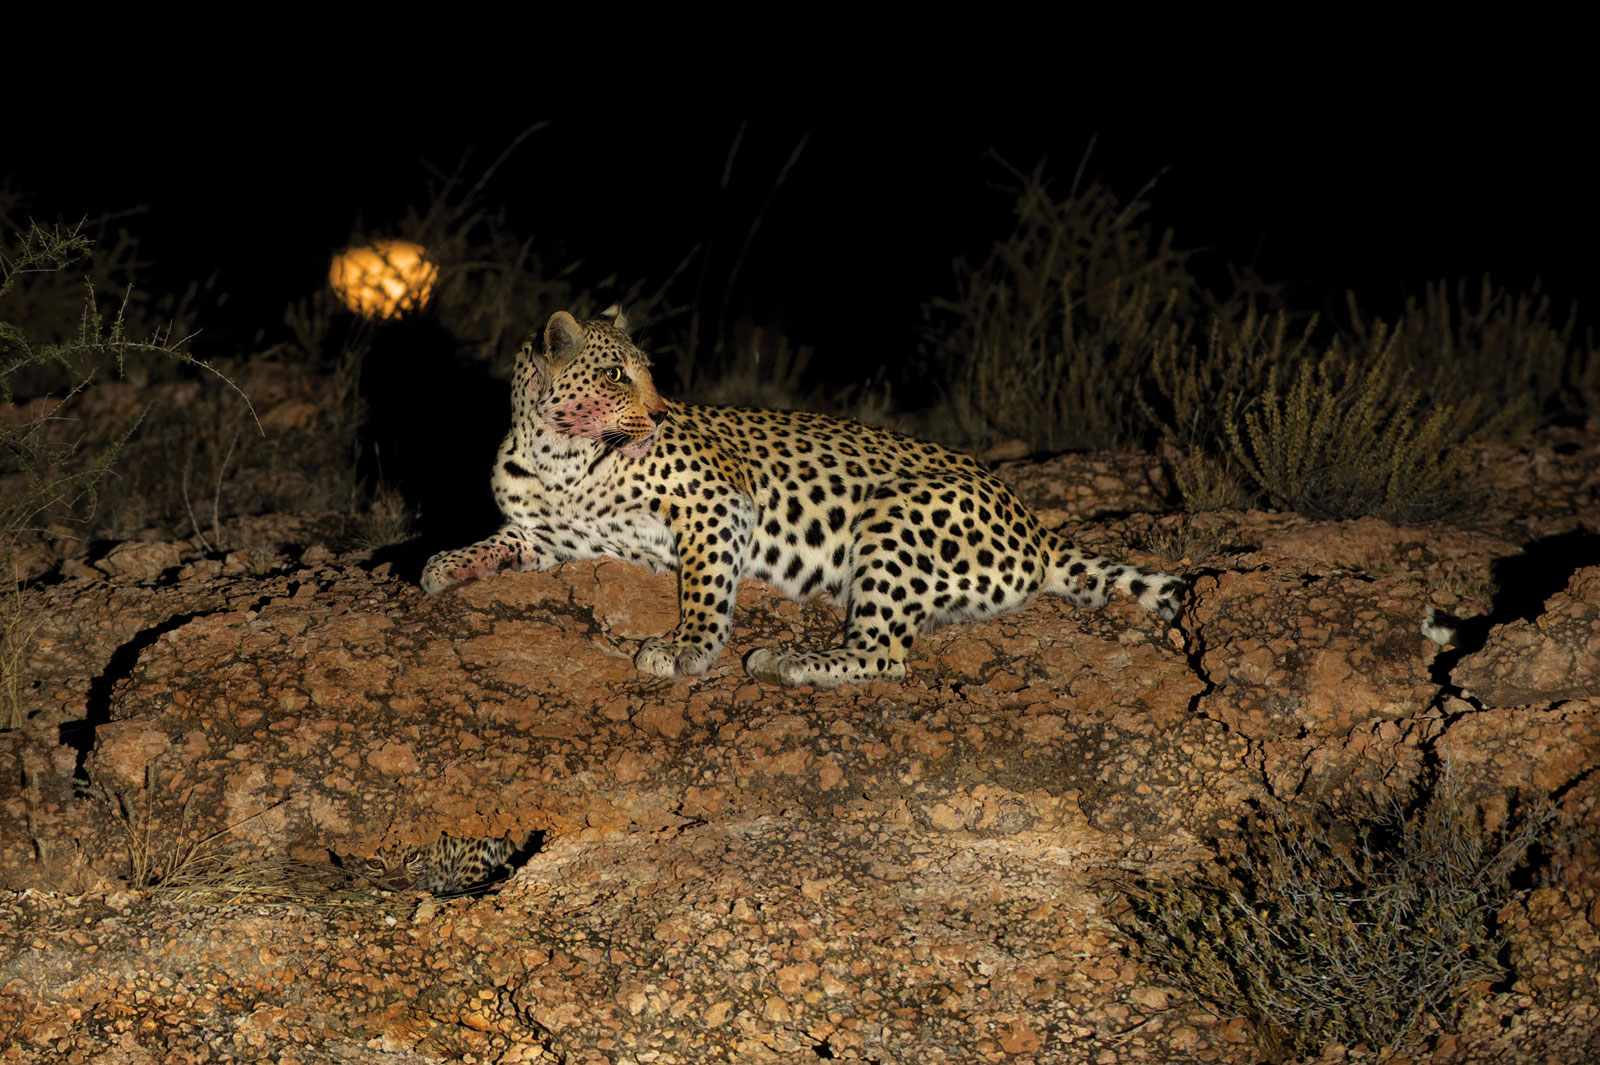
(864, 231)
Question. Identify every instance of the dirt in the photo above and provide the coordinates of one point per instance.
(906, 872)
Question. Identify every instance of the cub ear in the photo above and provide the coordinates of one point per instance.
(618, 318)
(563, 336)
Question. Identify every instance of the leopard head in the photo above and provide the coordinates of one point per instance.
(589, 382)
(392, 870)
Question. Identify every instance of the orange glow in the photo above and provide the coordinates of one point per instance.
(384, 280)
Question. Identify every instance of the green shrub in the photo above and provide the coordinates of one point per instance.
(1325, 931)
(1207, 481)
(1334, 431)
(1077, 332)
(1346, 435)
(1047, 340)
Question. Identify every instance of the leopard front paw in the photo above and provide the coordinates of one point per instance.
(449, 568)
(773, 667)
(661, 657)
(827, 669)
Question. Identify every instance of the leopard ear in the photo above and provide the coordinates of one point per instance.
(563, 336)
(533, 368)
(618, 318)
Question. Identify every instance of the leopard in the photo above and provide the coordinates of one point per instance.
(902, 534)
(450, 865)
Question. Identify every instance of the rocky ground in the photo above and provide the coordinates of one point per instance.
(202, 747)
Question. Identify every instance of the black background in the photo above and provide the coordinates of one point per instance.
(863, 232)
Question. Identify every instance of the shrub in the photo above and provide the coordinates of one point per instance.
(1332, 431)
(1048, 338)
(52, 466)
(50, 470)
(1347, 435)
(1325, 931)
(1506, 350)
(1192, 394)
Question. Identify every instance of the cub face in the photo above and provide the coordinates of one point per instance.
(590, 383)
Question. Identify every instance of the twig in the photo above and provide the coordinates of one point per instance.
(183, 488)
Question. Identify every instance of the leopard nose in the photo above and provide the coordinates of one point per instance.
(658, 416)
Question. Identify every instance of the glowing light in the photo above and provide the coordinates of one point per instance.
(384, 280)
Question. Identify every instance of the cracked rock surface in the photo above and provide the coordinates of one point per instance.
(894, 872)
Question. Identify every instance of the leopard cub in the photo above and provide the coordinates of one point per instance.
(447, 866)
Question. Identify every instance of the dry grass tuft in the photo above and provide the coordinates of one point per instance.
(1338, 930)
(166, 859)
(1505, 349)
(225, 879)
(17, 631)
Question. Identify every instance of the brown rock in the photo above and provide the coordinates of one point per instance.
(1309, 665)
(1554, 658)
(141, 562)
(126, 750)
(1533, 748)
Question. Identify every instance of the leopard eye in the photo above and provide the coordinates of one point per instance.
(616, 376)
